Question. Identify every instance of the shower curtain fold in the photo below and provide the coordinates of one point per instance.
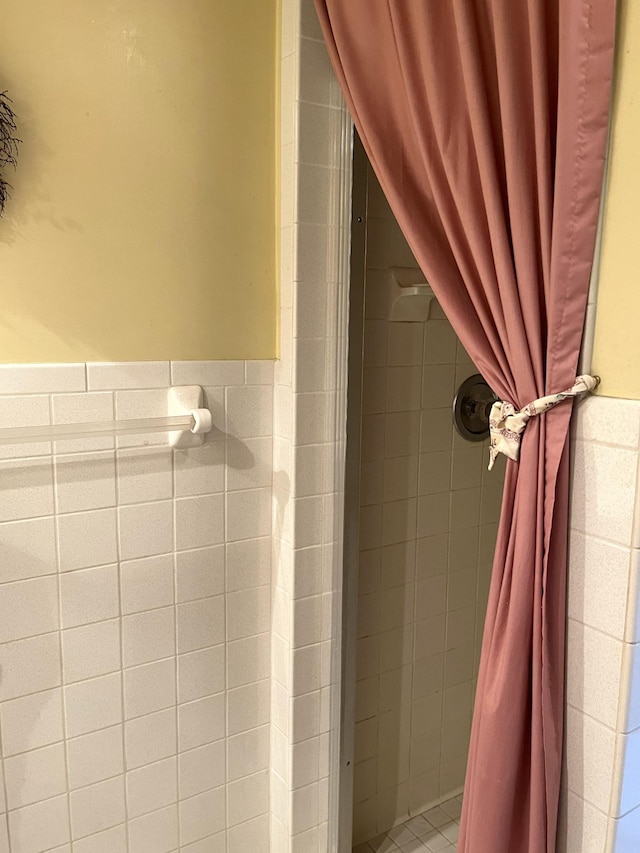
(486, 122)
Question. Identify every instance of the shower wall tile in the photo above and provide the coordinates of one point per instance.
(422, 593)
(42, 378)
(107, 376)
(309, 397)
(600, 795)
(135, 613)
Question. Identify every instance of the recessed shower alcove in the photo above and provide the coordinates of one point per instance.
(428, 512)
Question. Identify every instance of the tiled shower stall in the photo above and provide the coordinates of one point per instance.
(428, 518)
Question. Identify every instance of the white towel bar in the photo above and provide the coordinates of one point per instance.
(191, 424)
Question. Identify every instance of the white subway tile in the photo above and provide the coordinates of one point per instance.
(109, 376)
(305, 716)
(28, 607)
(590, 754)
(200, 573)
(97, 807)
(87, 539)
(41, 378)
(308, 521)
(248, 660)
(307, 621)
(27, 488)
(248, 612)
(438, 382)
(399, 521)
(304, 808)
(150, 687)
(248, 564)
(82, 408)
(310, 369)
(307, 578)
(440, 343)
(374, 390)
(133, 405)
(306, 669)
(92, 705)
(283, 405)
(152, 787)
(465, 509)
(315, 72)
(248, 514)
(259, 372)
(248, 798)
(309, 24)
(85, 481)
(31, 721)
(144, 474)
(248, 707)
(27, 549)
(201, 722)
(148, 636)
(21, 412)
(154, 833)
(146, 529)
(90, 650)
(252, 835)
(200, 624)
(146, 584)
(603, 493)
(202, 769)
(305, 762)
(316, 188)
(593, 672)
(202, 815)
(249, 411)
(113, 840)
(247, 753)
(29, 666)
(201, 673)
(436, 430)
(42, 826)
(250, 463)
(608, 420)
(95, 756)
(150, 738)
(207, 372)
(34, 776)
(90, 595)
(313, 420)
(199, 521)
(200, 470)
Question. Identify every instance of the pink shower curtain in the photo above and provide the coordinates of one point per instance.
(486, 124)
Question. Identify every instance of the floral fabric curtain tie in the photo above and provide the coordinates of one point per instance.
(506, 424)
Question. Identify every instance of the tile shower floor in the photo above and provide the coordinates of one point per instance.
(434, 831)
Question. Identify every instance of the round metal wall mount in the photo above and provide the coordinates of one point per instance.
(471, 408)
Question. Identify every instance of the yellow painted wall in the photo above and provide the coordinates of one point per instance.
(617, 341)
(142, 223)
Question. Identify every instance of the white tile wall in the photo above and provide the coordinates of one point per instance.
(428, 523)
(601, 795)
(134, 616)
(309, 399)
